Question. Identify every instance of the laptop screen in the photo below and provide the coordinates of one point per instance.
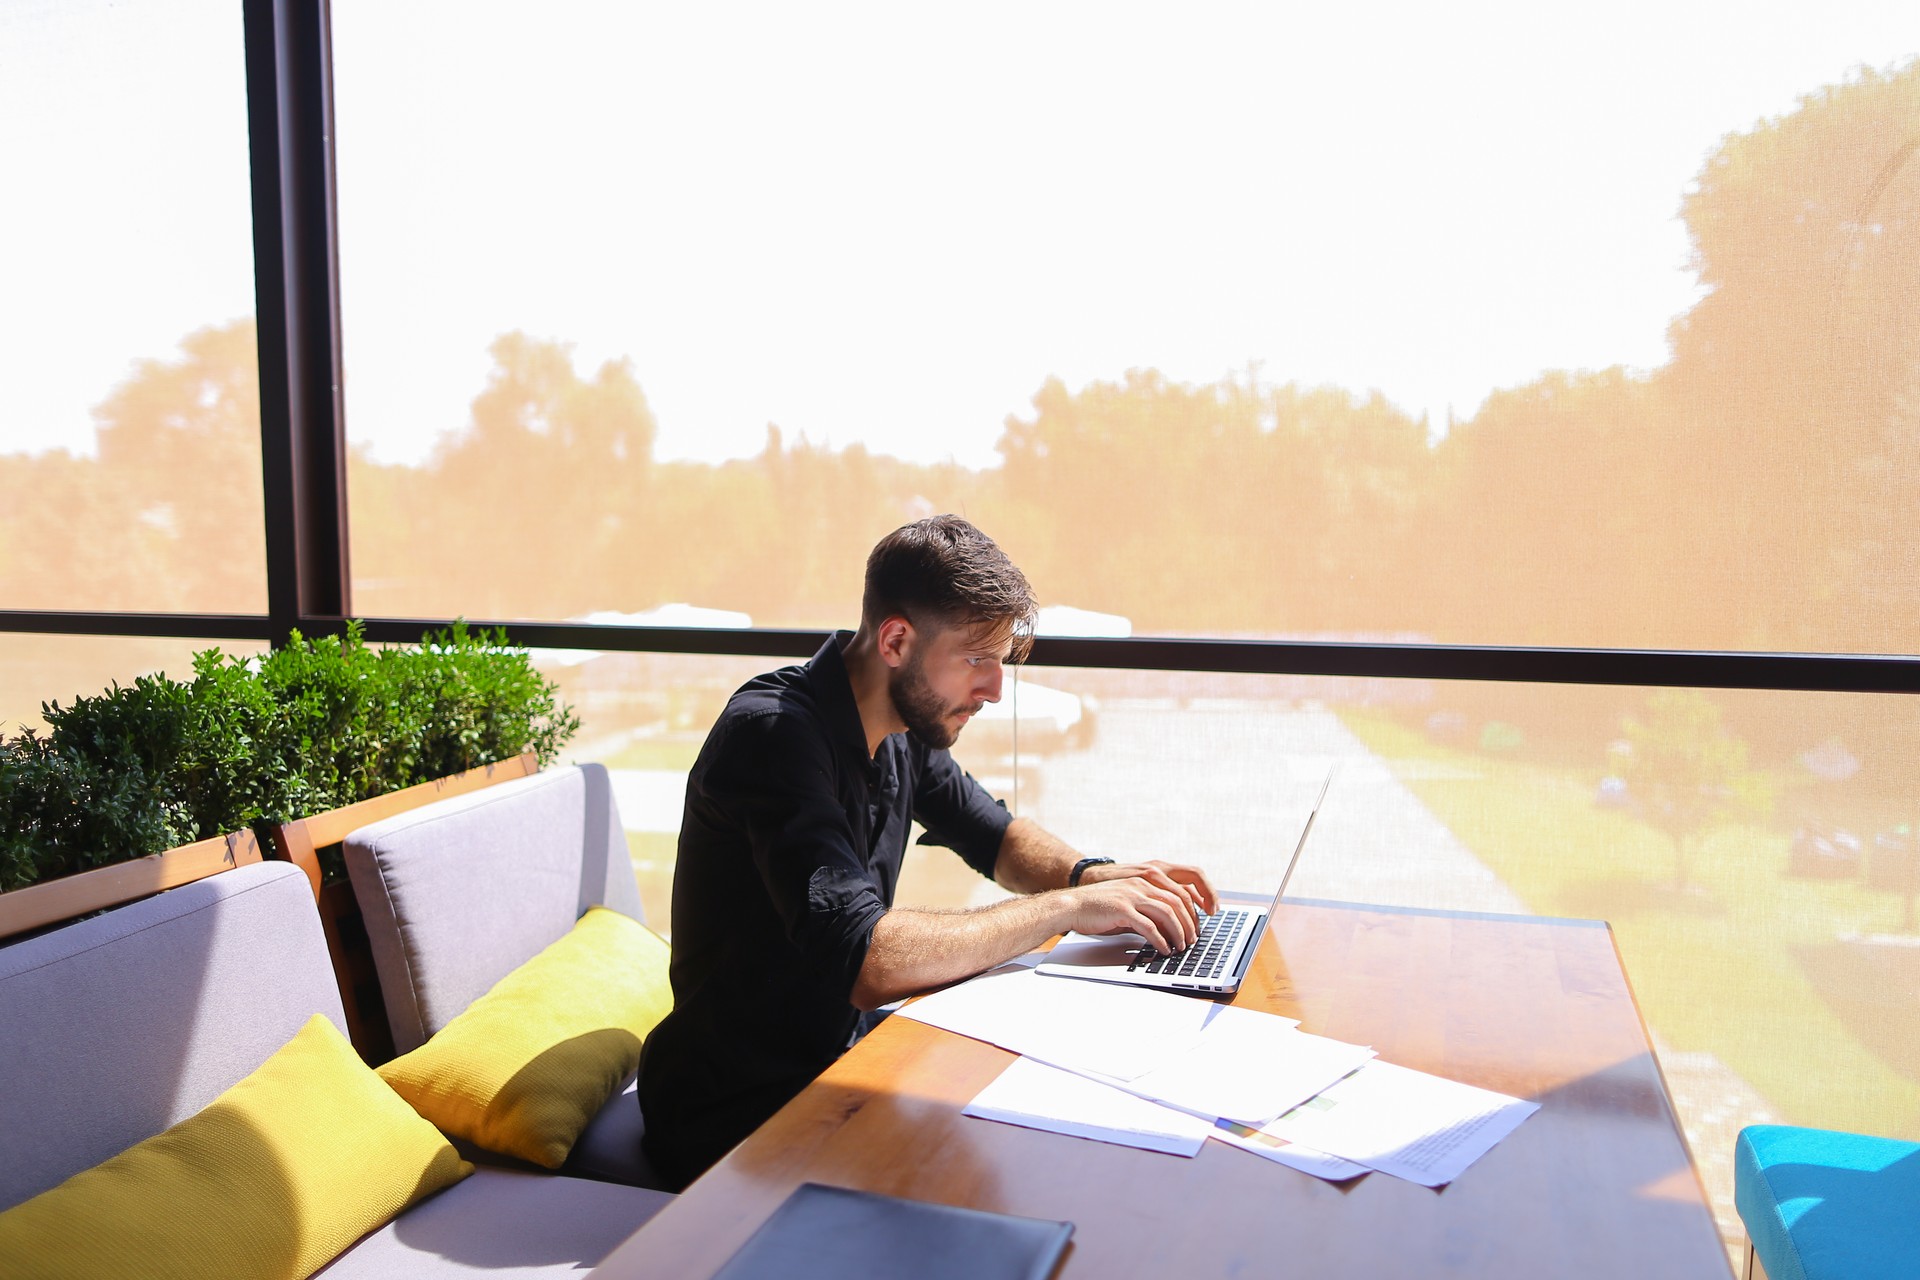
(1305, 831)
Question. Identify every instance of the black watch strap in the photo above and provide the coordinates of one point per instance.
(1080, 867)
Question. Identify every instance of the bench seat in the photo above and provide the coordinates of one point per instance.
(457, 893)
(119, 1026)
(1820, 1204)
(504, 1224)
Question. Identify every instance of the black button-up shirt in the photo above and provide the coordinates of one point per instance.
(790, 849)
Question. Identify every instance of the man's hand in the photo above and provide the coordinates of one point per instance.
(1190, 882)
(912, 950)
(1146, 899)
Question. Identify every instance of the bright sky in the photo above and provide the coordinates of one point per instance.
(890, 223)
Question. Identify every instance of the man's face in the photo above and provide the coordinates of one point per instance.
(948, 676)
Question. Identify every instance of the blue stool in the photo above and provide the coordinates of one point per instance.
(1822, 1205)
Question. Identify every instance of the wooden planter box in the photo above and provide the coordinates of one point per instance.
(51, 901)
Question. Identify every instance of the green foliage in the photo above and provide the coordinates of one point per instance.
(311, 726)
(1685, 770)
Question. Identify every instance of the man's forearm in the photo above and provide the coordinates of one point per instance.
(1032, 860)
(913, 950)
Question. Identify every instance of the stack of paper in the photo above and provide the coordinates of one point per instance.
(1403, 1122)
(1281, 1151)
(1247, 1066)
(1164, 1073)
(1036, 1096)
(1119, 1032)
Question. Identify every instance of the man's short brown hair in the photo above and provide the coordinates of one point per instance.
(943, 572)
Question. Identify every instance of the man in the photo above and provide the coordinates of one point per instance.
(795, 828)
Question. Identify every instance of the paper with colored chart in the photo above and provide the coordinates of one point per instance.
(1403, 1122)
(1291, 1154)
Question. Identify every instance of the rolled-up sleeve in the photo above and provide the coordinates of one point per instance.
(777, 781)
(958, 813)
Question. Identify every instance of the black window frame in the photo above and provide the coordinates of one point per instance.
(303, 460)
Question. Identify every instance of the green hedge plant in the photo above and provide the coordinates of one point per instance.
(311, 726)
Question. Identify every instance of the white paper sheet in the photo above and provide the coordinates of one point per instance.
(1026, 961)
(1248, 1066)
(1291, 1154)
(1114, 1031)
(1403, 1122)
(1036, 1096)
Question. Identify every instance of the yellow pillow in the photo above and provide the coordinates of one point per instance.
(528, 1064)
(276, 1177)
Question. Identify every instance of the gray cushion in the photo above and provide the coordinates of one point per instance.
(459, 893)
(502, 1223)
(114, 1028)
(609, 1149)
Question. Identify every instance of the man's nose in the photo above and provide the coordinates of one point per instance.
(989, 688)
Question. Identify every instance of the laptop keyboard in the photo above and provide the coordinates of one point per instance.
(1208, 954)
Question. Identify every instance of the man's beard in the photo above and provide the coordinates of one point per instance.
(920, 708)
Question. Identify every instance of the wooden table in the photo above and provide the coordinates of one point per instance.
(1599, 1182)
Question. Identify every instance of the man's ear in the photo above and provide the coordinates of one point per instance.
(893, 640)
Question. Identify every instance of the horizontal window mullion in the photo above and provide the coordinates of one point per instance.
(186, 626)
(1809, 672)
(1844, 673)
(1852, 673)
(758, 642)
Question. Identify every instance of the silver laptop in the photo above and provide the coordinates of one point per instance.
(1216, 961)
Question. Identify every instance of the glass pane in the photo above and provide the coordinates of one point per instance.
(36, 669)
(1753, 853)
(1243, 319)
(130, 429)
(644, 716)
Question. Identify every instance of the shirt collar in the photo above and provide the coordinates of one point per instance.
(833, 690)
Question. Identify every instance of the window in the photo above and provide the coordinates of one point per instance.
(1240, 322)
(130, 439)
(1249, 323)
(1756, 854)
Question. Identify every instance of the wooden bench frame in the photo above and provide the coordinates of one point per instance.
(300, 842)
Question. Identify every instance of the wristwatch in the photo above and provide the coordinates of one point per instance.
(1080, 867)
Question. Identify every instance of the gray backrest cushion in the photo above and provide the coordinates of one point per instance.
(459, 893)
(114, 1028)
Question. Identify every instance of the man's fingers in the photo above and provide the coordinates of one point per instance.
(1164, 940)
(1155, 918)
(1175, 917)
(1189, 883)
(1144, 925)
(1186, 895)
(1194, 882)
(1189, 905)
(1154, 905)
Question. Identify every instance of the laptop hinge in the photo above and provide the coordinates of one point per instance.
(1246, 952)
